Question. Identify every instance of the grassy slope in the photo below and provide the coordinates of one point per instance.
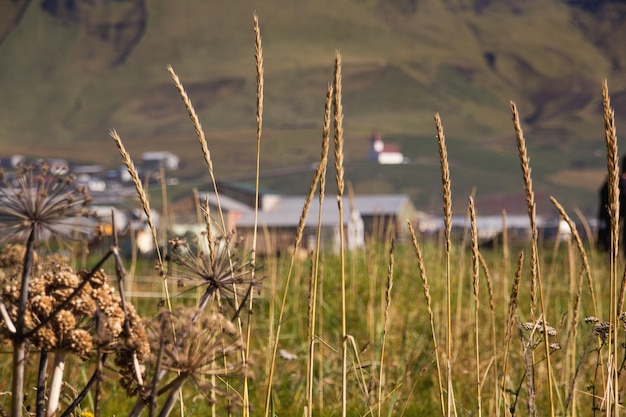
(59, 98)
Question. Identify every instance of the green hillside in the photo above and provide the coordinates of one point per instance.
(70, 71)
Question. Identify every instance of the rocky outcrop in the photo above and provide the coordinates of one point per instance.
(119, 24)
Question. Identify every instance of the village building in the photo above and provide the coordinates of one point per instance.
(58, 166)
(365, 217)
(91, 176)
(11, 162)
(383, 153)
(155, 160)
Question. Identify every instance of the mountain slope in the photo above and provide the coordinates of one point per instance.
(69, 74)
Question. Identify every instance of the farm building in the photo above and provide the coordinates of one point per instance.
(383, 153)
(11, 162)
(153, 161)
(366, 216)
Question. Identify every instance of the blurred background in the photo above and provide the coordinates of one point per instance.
(71, 70)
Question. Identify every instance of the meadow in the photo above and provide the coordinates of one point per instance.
(432, 325)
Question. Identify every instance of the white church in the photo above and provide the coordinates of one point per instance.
(385, 154)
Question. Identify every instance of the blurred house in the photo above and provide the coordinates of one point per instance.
(383, 153)
(91, 176)
(153, 161)
(110, 220)
(364, 217)
(11, 162)
(58, 166)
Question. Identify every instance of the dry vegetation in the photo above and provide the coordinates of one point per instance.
(396, 329)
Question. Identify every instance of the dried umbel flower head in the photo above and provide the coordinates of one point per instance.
(193, 349)
(537, 327)
(602, 329)
(132, 347)
(226, 274)
(13, 255)
(36, 199)
(68, 326)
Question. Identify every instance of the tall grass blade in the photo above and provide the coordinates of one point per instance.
(536, 278)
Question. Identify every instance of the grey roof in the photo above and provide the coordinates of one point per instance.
(289, 209)
(227, 203)
(376, 204)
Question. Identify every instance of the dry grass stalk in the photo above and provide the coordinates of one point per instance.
(586, 227)
(259, 122)
(534, 261)
(210, 235)
(447, 219)
(581, 250)
(338, 116)
(610, 137)
(201, 138)
(510, 322)
(571, 340)
(489, 281)
(460, 285)
(198, 207)
(531, 207)
(381, 373)
(527, 355)
(165, 222)
(505, 253)
(145, 204)
(338, 136)
(494, 344)
(445, 179)
(426, 288)
(321, 174)
(476, 287)
(207, 157)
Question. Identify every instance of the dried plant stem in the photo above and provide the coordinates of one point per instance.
(94, 380)
(534, 261)
(4, 315)
(571, 342)
(201, 138)
(19, 339)
(531, 207)
(316, 261)
(581, 250)
(145, 203)
(319, 172)
(381, 373)
(510, 322)
(338, 136)
(494, 344)
(476, 282)
(42, 375)
(207, 158)
(447, 219)
(165, 222)
(426, 289)
(210, 234)
(610, 137)
(56, 381)
(259, 122)
(505, 254)
(460, 285)
(586, 227)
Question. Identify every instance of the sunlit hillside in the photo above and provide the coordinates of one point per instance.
(69, 74)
